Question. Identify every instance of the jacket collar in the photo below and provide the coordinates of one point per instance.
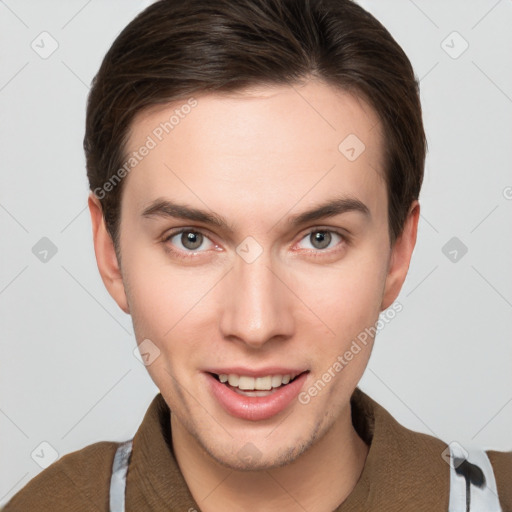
(403, 470)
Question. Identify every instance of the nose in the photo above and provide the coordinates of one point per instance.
(257, 305)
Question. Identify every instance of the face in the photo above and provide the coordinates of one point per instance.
(229, 276)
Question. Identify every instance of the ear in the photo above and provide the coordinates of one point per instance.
(401, 256)
(106, 257)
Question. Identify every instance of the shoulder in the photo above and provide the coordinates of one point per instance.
(78, 481)
(502, 466)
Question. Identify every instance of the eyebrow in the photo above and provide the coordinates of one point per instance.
(331, 208)
(165, 208)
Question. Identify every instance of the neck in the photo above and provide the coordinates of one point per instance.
(318, 481)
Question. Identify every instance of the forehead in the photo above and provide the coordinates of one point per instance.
(272, 145)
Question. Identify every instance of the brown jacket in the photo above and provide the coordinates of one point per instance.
(404, 471)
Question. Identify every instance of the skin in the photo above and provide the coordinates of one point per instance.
(258, 157)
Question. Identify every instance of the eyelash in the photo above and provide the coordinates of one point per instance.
(190, 254)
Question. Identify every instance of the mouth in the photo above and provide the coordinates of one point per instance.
(247, 385)
(260, 396)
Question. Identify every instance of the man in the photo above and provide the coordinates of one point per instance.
(255, 168)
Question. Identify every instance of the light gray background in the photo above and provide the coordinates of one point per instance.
(68, 374)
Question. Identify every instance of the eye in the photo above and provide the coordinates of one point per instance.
(189, 240)
(322, 238)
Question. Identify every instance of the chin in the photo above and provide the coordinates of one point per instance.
(249, 457)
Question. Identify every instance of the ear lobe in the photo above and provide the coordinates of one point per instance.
(106, 257)
(401, 257)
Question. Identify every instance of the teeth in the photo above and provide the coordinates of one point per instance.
(277, 380)
(263, 383)
(233, 380)
(255, 383)
(245, 382)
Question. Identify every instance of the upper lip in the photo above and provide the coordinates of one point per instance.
(260, 372)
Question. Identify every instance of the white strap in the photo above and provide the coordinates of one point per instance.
(471, 465)
(118, 479)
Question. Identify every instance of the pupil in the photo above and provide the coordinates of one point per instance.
(191, 240)
(321, 239)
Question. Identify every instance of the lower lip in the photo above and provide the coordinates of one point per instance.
(255, 408)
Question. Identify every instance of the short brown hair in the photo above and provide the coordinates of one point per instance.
(177, 48)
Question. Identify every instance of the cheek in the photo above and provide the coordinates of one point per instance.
(172, 307)
(153, 306)
(163, 306)
(345, 298)
(160, 294)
